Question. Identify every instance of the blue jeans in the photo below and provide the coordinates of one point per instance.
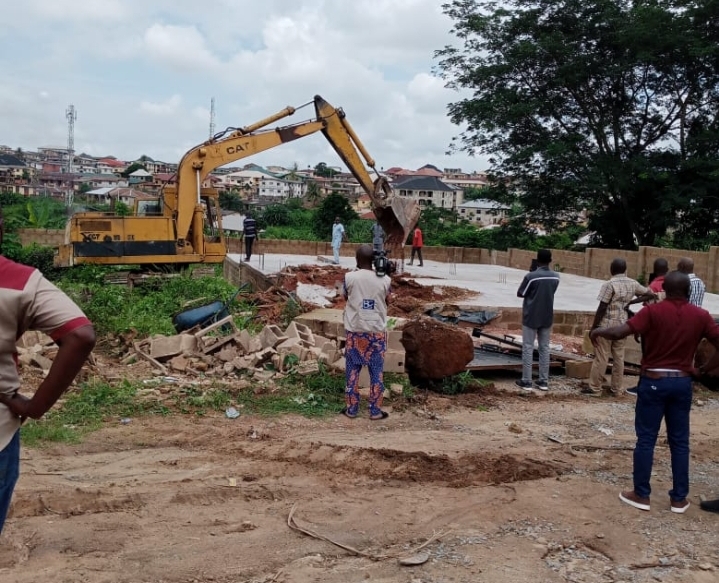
(9, 473)
(669, 398)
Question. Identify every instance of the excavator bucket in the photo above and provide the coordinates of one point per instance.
(398, 219)
(396, 216)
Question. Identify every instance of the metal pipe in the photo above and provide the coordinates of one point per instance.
(358, 143)
(286, 112)
(197, 175)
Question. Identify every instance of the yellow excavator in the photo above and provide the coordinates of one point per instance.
(184, 225)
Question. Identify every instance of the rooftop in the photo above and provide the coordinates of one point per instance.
(483, 203)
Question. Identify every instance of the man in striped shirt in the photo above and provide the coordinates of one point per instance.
(537, 290)
(249, 234)
(697, 287)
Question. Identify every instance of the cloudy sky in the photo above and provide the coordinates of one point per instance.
(141, 74)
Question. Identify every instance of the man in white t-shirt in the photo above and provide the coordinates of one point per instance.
(365, 321)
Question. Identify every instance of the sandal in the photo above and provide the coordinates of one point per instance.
(345, 412)
(383, 415)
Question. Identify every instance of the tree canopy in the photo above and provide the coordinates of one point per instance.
(604, 105)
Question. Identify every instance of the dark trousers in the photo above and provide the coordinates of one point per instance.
(9, 472)
(418, 251)
(248, 247)
(671, 399)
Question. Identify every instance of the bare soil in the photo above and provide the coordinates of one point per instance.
(182, 499)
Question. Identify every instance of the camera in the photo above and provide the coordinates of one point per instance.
(382, 265)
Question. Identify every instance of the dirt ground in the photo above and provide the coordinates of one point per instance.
(182, 499)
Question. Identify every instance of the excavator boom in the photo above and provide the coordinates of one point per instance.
(177, 232)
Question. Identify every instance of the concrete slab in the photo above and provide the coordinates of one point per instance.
(496, 285)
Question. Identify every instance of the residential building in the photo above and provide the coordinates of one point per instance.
(110, 165)
(139, 176)
(11, 168)
(102, 181)
(128, 196)
(482, 212)
(429, 190)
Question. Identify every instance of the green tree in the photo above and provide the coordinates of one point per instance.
(325, 171)
(132, 167)
(597, 104)
(275, 215)
(335, 205)
(313, 195)
(230, 201)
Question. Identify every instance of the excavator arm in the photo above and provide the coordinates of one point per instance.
(178, 232)
(397, 217)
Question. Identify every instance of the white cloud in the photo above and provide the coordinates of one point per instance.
(169, 107)
(180, 47)
(142, 75)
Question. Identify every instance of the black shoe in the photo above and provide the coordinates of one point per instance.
(632, 391)
(526, 385)
(542, 385)
(709, 505)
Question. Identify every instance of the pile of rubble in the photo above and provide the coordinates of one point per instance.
(223, 350)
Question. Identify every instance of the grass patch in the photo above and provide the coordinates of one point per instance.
(312, 395)
(83, 410)
(150, 307)
(464, 382)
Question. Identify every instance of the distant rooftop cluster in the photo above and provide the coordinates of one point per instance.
(55, 171)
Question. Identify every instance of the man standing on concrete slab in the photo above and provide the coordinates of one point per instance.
(377, 238)
(672, 330)
(417, 244)
(338, 235)
(249, 234)
(365, 321)
(538, 288)
(696, 297)
(614, 297)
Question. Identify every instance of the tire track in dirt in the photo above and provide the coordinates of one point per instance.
(418, 467)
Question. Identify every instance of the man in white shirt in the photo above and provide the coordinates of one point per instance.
(338, 235)
(365, 322)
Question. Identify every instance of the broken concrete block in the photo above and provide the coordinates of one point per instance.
(33, 337)
(241, 363)
(309, 367)
(262, 356)
(271, 336)
(228, 368)
(255, 344)
(288, 344)
(394, 361)
(179, 363)
(396, 389)
(228, 354)
(263, 376)
(578, 369)
(244, 339)
(394, 340)
(320, 341)
(167, 346)
(302, 332)
(41, 361)
(339, 364)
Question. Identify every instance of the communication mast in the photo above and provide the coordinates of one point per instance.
(212, 117)
(71, 116)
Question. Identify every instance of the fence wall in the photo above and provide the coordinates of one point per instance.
(592, 263)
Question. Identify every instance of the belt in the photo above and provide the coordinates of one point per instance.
(657, 374)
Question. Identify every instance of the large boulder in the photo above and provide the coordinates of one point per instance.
(435, 350)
